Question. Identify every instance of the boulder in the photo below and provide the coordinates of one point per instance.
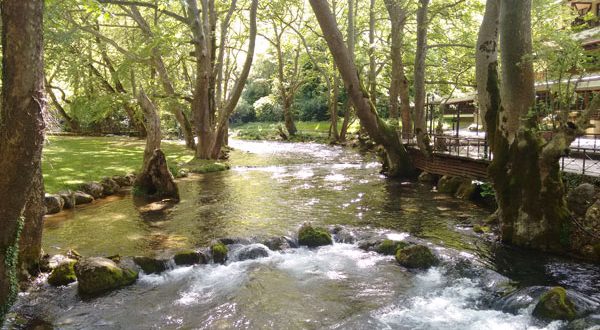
(426, 177)
(151, 265)
(468, 190)
(190, 257)
(389, 248)
(580, 198)
(219, 252)
(449, 185)
(93, 188)
(250, 252)
(344, 235)
(82, 198)
(313, 237)
(99, 275)
(53, 203)
(554, 304)
(278, 243)
(416, 257)
(122, 181)
(68, 199)
(109, 186)
(479, 229)
(63, 274)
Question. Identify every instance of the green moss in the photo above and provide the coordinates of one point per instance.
(313, 237)
(200, 166)
(389, 247)
(416, 256)
(479, 229)
(555, 305)
(102, 277)
(64, 274)
(150, 265)
(187, 257)
(219, 252)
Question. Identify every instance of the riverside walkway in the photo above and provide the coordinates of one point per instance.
(469, 156)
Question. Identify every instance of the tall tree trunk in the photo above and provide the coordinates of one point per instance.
(372, 59)
(284, 92)
(333, 106)
(30, 244)
(399, 83)
(397, 162)
(419, 84)
(153, 138)
(21, 128)
(525, 169)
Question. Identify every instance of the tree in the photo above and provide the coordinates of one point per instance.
(525, 169)
(399, 83)
(21, 129)
(397, 162)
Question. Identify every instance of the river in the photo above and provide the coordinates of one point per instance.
(271, 190)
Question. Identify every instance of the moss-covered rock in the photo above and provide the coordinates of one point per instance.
(417, 257)
(467, 190)
(189, 257)
(449, 185)
(313, 237)
(555, 305)
(389, 248)
(64, 274)
(99, 275)
(426, 177)
(479, 229)
(219, 252)
(200, 166)
(151, 265)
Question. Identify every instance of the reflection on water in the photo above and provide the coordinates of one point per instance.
(271, 190)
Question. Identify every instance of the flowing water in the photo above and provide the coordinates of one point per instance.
(271, 190)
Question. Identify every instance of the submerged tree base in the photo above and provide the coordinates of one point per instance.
(156, 180)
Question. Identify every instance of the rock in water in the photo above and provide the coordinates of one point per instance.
(151, 265)
(64, 274)
(416, 257)
(53, 203)
(313, 237)
(219, 252)
(156, 179)
(389, 248)
(110, 186)
(99, 275)
(253, 251)
(449, 185)
(189, 258)
(580, 198)
(555, 305)
(82, 198)
(425, 177)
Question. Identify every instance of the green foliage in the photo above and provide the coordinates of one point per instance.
(11, 260)
(486, 190)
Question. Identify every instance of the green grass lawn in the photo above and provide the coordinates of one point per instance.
(70, 161)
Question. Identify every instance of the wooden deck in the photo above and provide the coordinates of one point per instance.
(444, 164)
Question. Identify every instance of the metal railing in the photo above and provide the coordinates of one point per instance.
(583, 157)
